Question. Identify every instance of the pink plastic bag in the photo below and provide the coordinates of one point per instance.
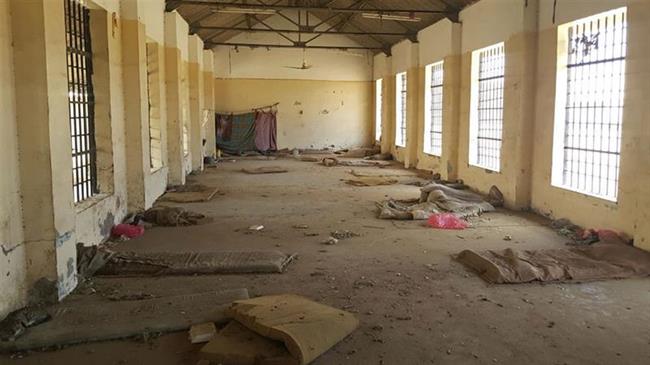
(446, 221)
(127, 230)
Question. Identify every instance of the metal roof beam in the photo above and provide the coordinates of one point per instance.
(295, 45)
(217, 5)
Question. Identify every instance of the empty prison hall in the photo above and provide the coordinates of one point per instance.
(295, 182)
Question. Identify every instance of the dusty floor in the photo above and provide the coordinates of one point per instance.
(416, 305)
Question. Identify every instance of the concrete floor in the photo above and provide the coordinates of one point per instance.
(416, 305)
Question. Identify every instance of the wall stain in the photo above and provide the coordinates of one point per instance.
(62, 238)
(106, 225)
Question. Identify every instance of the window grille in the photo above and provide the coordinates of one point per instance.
(434, 144)
(378, 108)
(489, 113)
(593, 115)
(81, 100)
(153, 97)
(400, 135)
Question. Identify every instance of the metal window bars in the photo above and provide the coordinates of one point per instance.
(490, 107)
(594, 104)
(435, 127)
(81, 100)
(401, 110)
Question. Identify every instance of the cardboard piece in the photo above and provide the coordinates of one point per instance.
(237, 345)
(306, 328)
(203, 332)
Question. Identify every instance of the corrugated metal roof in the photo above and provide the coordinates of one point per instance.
(199, 14)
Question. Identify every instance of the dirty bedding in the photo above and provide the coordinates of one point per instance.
(434, 199)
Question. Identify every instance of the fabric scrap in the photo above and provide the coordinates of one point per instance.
(435, 199)
(266, 131)
(608, 259)
(237, 134)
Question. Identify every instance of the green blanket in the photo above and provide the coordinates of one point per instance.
(236, 133)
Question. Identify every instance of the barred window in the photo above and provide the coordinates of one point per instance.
(378, 108)
(589, 110)
(153, 96)
(400, 110)
(81, 100)
(486, 121)
(433, 111)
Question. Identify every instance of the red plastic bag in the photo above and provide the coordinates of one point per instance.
(446, 221)
(127, 230)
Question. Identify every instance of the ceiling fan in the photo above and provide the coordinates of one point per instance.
(304, 66)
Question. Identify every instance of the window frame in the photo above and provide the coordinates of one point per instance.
(477, 81)
(379, 108)
(401, 100)
(429, 122)
(562, 102)
(81, 100)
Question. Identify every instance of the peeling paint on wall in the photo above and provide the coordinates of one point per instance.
(106, 225)
(61, 239)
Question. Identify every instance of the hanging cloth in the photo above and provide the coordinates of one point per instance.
(236, 133)
(266, 131)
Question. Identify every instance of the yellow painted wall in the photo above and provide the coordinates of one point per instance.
(13, 283)
(530, 38)
(311, 114)
(631, 212)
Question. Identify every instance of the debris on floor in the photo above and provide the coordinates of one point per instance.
(330, 241)
(172, 216)
(82, 322)
(610, 258)
(308, 159)
(17, 322)
(370, 181)
(192, 263)
(359, 152)
(446, 221)
(265, 170)
(125, 231)
(383, 173)
(344, 234)
(434, 199)
(333, 161)
(91, 258)
(256, 227)
(495, 197)
(191, 193)
(300, 226)
(380, 156)
(200, 333)
(278, 329)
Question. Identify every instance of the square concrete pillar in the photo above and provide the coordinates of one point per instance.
(136, 105)
(197, 116)
(210, 148)
(177, 101)
(42, 115)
